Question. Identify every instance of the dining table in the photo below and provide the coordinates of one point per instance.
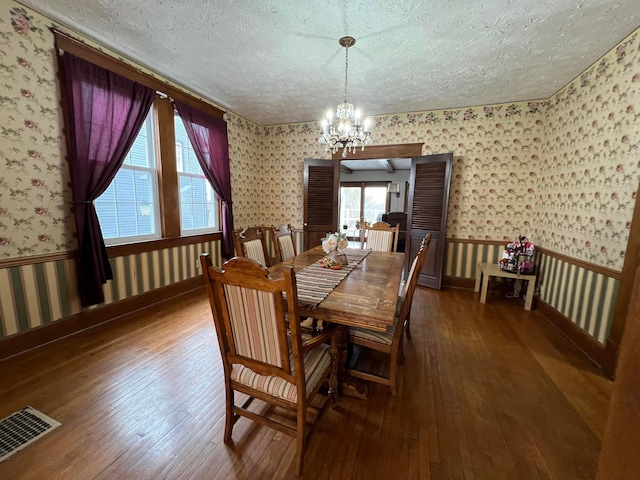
(366, 297)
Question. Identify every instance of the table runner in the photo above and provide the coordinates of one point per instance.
(315, 282)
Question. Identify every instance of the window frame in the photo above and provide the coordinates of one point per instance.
(168, 193)
(218, 204)
(153, 171)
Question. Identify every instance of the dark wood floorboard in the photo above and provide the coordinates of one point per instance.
(486, 392)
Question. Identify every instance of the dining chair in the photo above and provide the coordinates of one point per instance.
(380, 237)
(390, 341)
(407, 324)
(250, 242)
(263, 354)
(284, 246)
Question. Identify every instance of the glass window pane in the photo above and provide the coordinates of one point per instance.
(109, 195)
(349, 206)
(375, 202)
(198, 203)
(127, 220)
(128, 207)
(142, 152)
(198, 189)
(186, 216)
(143, 187)
(125, 189)
(186, 196)
(108, 218)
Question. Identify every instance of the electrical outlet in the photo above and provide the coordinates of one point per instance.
(197, 264)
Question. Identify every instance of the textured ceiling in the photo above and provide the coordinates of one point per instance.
(279, 61)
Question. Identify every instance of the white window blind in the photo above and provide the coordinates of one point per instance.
(128, 209)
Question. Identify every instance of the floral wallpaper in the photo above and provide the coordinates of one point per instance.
(496, 150)
(590, 165)
(563, 171)
(284, 148)
(35, 217)
(560, 170)
(244, 155)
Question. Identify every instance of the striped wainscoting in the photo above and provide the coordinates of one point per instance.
(462, 258)
(297, 235)
(584, 296)
(34, 295)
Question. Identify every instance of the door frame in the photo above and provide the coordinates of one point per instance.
(401, 150)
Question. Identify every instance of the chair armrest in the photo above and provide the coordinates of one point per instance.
(320, 338)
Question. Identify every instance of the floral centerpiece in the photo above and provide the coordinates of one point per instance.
(332, 244)
(334, 241)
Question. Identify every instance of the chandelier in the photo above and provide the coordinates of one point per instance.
(345, 130)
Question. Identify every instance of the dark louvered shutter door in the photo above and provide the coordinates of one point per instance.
(428, 203)
(321, 180)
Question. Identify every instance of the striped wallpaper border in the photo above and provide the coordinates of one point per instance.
(37, 294)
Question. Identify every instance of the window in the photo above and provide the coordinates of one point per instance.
(198, 202)
(128, 209)
(361, 202)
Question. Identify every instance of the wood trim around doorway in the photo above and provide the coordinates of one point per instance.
(404, 150)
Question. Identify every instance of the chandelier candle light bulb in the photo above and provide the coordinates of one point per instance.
(349, 133)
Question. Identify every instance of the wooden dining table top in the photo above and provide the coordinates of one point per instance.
(366, 297)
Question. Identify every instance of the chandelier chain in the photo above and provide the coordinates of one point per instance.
(346, 71)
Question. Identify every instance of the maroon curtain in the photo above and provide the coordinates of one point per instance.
(103, 115)
(208, 136)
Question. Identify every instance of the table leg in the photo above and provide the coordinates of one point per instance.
(485, 287)
(333, 378)
(347, 385)
(531, 288)
(478, 278)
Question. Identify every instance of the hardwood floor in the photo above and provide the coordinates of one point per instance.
(487, 392)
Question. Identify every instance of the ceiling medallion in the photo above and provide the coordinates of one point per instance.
(345, 130)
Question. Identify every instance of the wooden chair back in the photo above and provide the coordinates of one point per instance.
(380, 237)
(284, 247)
(250, 242)
(250, 314)
(412, 279)
(262, 352)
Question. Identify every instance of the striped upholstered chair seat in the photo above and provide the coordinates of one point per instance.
(383, 338)
(316, 362)
(264, 355)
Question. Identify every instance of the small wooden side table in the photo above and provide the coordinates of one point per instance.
(486, 270)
